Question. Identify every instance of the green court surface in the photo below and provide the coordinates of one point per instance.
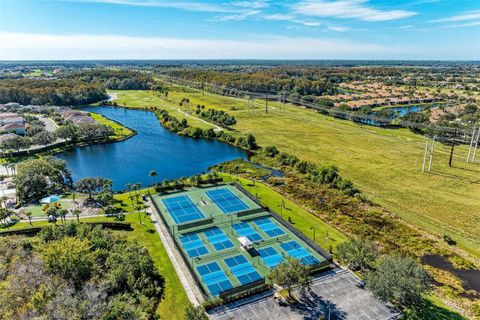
(209, 225)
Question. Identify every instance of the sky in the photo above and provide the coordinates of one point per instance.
(240, 29)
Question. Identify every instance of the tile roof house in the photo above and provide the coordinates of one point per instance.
(14, 128)
(76, 117)
(8, 136)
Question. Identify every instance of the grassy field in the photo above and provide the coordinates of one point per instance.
(119, 130)
(384, 163)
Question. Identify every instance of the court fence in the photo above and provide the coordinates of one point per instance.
(194, 224)
(290, 228)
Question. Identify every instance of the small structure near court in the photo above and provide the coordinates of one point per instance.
(229, 242)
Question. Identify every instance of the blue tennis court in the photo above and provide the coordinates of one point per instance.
(242, 269)
(182, 209)
(193, 245)
(218, 239)
(214, 278)
(226, 200)
(243, 229)
(270, 228)
(270, 256)
(296, 251)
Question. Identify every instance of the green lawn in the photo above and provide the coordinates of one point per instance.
(119, 130)
(384, 163)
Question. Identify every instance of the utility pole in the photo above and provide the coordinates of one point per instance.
(471, 143)
(453, 146)
(476, 145)
(266, 102)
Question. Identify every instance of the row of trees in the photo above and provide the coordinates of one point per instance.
(61, 92)
(219, 117)
(69, 132)
(116, 79)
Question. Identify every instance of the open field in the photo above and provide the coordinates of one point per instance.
(384, 163)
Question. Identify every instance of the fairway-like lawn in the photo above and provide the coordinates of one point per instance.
(384, 163)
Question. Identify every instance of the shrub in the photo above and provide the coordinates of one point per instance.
(270, 151)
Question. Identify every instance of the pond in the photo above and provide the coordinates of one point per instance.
(153, 148)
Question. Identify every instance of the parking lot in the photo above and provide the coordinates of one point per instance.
(334, 294)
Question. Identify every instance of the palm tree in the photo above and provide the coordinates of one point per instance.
(62, 213)
(29, 216)
(3, 201)
(153, 174)
(77, 213)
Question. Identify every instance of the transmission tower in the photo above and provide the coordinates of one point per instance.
(429, 149)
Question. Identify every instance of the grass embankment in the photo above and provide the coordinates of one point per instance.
(120, 132)
(384, 163)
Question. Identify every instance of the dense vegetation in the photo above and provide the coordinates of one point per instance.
(116, 79)
(219, 117)
(37, 178)
(62, 92)
(295, 81)
(74, 271)
(182, 127)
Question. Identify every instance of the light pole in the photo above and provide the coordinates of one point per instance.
(313, 228)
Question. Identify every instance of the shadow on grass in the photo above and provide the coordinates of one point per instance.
(426, 310)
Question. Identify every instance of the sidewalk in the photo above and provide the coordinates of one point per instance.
(193, 292)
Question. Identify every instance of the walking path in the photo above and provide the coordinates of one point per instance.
(193, 292)
(186, 114)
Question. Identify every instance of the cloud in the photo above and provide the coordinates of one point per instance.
(291, 18)
(27, 46)
(182, 5)
(250, 4)
(338, 29)
(471, 15)
(348, 9)
(463, 25)
(236, 17)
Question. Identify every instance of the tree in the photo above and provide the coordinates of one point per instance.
(62, 213)
(399, 280)
(153, 174)
(358, 253)
(195, 313)
(29, 216)
(37, 178)
(70, 257)
(44, 138)
(69, 132)
(90, 185)
(76, 212)
(289, 274)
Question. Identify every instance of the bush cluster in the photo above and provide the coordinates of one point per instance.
(183, 128)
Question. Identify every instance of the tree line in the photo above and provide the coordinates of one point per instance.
(61, 92)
